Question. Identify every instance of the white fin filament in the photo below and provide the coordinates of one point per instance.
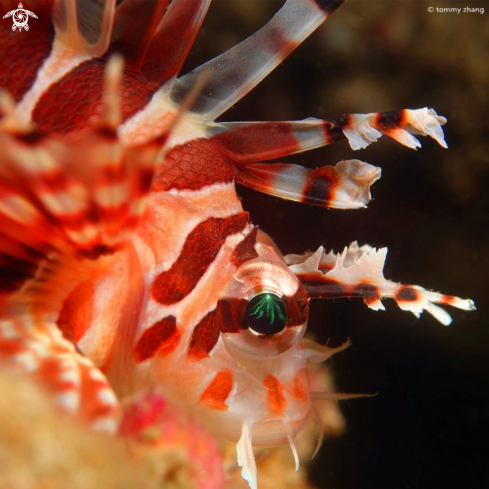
(246, 459)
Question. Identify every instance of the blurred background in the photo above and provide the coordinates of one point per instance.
(429, 425)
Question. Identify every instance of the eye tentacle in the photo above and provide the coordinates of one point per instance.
(317, 353)
(246, 458)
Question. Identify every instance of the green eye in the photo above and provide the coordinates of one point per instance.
(266, 314)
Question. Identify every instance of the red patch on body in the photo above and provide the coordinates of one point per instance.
(194, 165)
(231, 314)
(161, 338)
(199, 251)
(204, 336)
(246, 249)
(218, 390)
(23, 53)
(74, 102)
(275, 396)
(76, 314)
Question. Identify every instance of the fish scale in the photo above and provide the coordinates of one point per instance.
(127, 260)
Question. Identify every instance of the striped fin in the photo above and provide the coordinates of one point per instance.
(358, 272)
(71, 380)
(78, 196)
(234, 73)
(344, 186)
(251, 142)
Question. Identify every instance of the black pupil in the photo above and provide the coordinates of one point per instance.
(266, 314)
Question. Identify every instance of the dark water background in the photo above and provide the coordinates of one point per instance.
(428, 427)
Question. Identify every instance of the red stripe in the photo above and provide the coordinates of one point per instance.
(218, 391)
(388, 121)
(246, 249)
(231, 314)
(194, 165)
(76, 314)
(162, 337)
(204, 336)
(406, 294)
(199, 251)
(72, 103)
(23, 53)
(320, 186)
(275, 397)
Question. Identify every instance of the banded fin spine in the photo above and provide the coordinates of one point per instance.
(358, 272)
(344, 186)
(234, 73)
(252, 142)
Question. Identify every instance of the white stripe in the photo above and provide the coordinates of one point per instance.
(312, 134)
(60, 62)
(27, 360)
(105, 425)
(151, 121)
(107, 396)
(70, 400)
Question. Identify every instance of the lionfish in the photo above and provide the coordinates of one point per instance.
(127, 261)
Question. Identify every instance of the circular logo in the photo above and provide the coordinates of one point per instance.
(20, 17)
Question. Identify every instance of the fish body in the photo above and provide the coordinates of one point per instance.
(128, 261)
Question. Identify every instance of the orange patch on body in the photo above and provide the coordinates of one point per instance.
(300, 389)
(76, 314)
(218, 390)
(275, 397)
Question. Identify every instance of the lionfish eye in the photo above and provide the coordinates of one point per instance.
(266, 314)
